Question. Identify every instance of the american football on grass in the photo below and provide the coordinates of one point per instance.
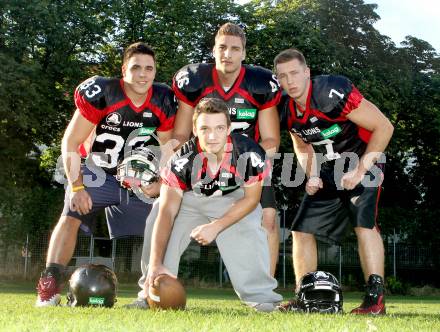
(166, 293)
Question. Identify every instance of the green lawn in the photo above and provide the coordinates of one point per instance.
(207, 310)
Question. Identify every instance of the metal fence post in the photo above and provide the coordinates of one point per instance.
(113, 253)
(340, 263)
(284, 245)
(221, 271)
(26, 256)
(91, 249)
(394, 253)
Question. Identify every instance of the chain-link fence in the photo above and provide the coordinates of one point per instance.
(202, 265)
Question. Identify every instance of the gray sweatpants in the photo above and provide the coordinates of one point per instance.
(243, 246)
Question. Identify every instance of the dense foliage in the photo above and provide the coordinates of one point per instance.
(47, 47)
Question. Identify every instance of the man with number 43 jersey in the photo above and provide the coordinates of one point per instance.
(339, 138)
(251, 94)
(124, 114)
(211, 192)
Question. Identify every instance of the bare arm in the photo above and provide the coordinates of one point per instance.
(269, 126)
(369, 117)
(170, 199)
(305, 155)
(307, 159)
(207, 233)
(167, 145)
(153, 189)
(183, 123)
(76, 133)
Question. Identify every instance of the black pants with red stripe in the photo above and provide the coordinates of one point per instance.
(328, 213)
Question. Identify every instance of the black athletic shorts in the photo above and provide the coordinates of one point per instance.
(126, 214)
(329, 212)
(268, 197)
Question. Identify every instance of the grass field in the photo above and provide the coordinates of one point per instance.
(207, 310)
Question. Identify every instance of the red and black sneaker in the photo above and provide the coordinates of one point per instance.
(374, 300)
(49, 292)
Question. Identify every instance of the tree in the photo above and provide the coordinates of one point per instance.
(180, 32)
(42, 50)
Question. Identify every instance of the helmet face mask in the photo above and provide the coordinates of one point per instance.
(92, 285)
(140, 168)
(320, 292)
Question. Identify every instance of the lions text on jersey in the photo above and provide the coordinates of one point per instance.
(324, 123)
(120, 125)
(255, 89)
(243, 163)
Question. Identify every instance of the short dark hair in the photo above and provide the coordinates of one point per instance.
(138, 48)
(231, 29)
(288, 55)
(211, 106)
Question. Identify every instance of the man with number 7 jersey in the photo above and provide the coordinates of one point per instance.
(339, 138)
(127, 114)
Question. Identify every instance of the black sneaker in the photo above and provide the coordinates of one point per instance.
(141, 304)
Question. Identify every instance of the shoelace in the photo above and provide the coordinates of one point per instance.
(47, 288)
(372, 295)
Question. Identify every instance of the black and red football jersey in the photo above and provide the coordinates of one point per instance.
(120, 125)
(255, 89)
(243, 163)
(324, 123)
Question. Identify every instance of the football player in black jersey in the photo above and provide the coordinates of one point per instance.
(123, 114)
(251, 94)
(339, 138)
(211, 192)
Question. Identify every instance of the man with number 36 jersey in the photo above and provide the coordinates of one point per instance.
(121, 115)
(120, 124)
(332, 124)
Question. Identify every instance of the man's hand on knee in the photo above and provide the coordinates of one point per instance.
(80, 202)
(205, 234)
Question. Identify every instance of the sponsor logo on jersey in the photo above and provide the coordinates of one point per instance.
(132, 124)
(145, 131)
(227, 175)
(113, 119)
(311, 131)
(246, 113)
(211, 185)
(232, 110)
(239, 100)
(147, 114)
(229, 188)
(313, 119)
(332, 131)
(110, 128)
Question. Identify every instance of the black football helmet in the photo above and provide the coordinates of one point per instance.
(320, 292)
(139, 168)
(92, 285)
